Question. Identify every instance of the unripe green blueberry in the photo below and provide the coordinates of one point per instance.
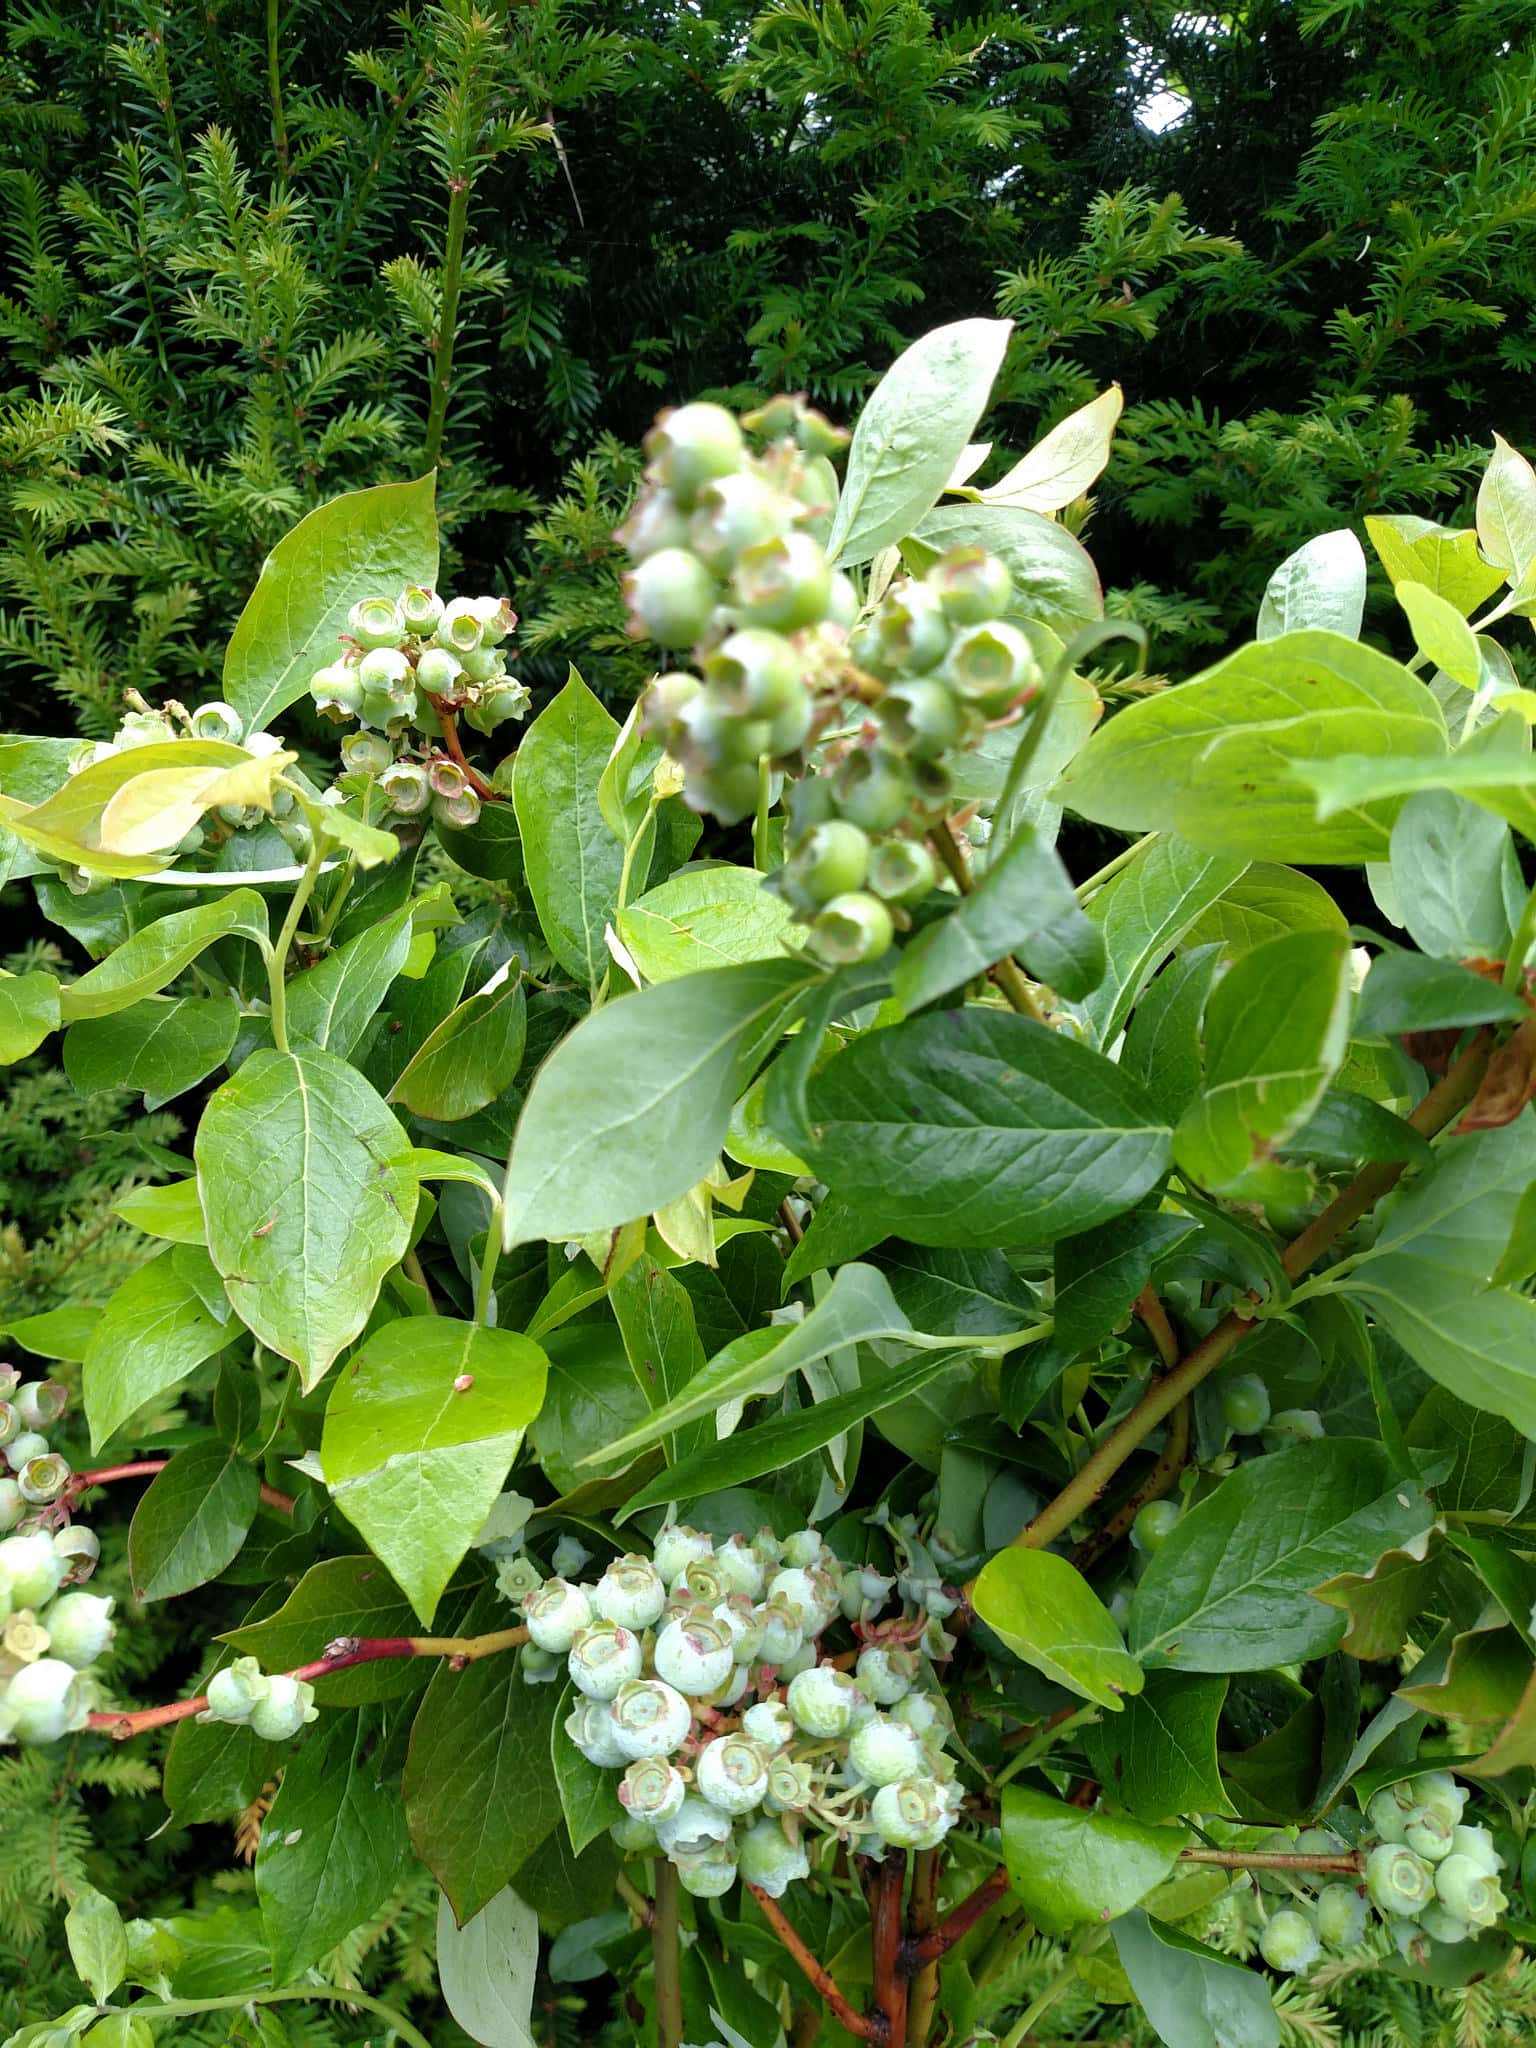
(656, 521)
(460, 629)
(365, 753)
(789, 729)
(407, 788)
(46, 1700)
(1289, 1941)
(1477, 1844)
(731, 1772)
(1441, 1924)
(973, 585)
(809, 1592)
(42, 1480)
(866, 652)
(289, 1704)
(337, 690)
(421, 610)
(671, 598)
(690, 446)
(732, 514)
(1321, 1842)
(1428, 1834)
(439, 671)
(1439, 1791)
(539, 1667)
(676, 1546)
(482, 665)
(886, 1751)
(31, 1568)
(740, 1617)
(496, 703)
(78, 1548)
(665, 700)
(903, 871)
(694, 1826)
(1245, 1403)
(385, 669)
(388, 706)
(865, 1592)
(853, 928)
(218, 721)
(633, 1837)
(603, 1657)
(783, 1631)
(1293, 1425)
(26, 1445)
(828, 861)
(650, 1718)
(694, 1652)
(1342, 1915)
(706, 1873)
(922, 717)
(914, 631)
(873, 789)
(785, 583)
(916, 1813)
(753, 674)
(992, 665)
(1386, 1816)
(768, 1858)
(235, 1691)
(825, 1702)
(802, 1660)
(887, 1675)
(459, 811)
(556, 1614)
(770, 1724)
(375, 622)
(143, 729)
(590, 1726)
(729, 791)
(1397, 1880)
(80, 1628)
(652, 1790)
(740, 1568)
(40, 1403)
(1468, 1890)
(496, 617)
(12, 1506)
(1153, 1525)
(10, 1423)
(630, 1592)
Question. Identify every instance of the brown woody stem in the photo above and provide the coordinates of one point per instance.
(820, 1979)
(1164, 1475)
(667, 1948)
(957, 1923)
(885, 1882)
(454, 748)
(922, 1916)
(1348, 1863)
(340, 1655)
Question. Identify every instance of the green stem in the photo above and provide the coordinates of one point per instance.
(447, 319)
(760, 822)
(277, 956)
(1058, 1987)
(335, 1994)
(275, 87)
(1111, 868)
(1006, 973)
(666, 1946)
(1520, 945)
(1044, 1741)
(643, 833)
(485, 1284)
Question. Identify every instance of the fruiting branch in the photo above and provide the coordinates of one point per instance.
(146, 1468)
(855, 2023)
(956, 1924)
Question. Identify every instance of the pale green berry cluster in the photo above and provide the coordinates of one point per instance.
(703, 1675)
(796, 676)
(406, 660)
(274, 1707)
(50, 1633)
(1430, 1876)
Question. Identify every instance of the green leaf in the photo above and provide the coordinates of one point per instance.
(1229, 759)
(472, 1057)
(1100, 1272)
(1492, 1464)
(330, 1004)
(572, 860)
(174, 1211)
(56, 1332)
(1162, 1048)
(1441, 634)
(1054, 581)
(69, 825)
(160, 1048)
(704, 917)
(191, 1521)
(1276, 1032)
(340, 1596)
(1506, 510)
(480, 1791)
(1023, 904)
(914, 426)
(655, 1316)
(371, 846)
(1231, 1588)
(1149, 908)
(420, 1434)
(154, 1332)
(968, 1126)
(1194, 1996)
(486, 1969)
(1072, 1869)
(1049, 1616)
(1454, 870)
(1417, 551)
(1158, 1758)
(1321, 586)
(334, 1844)
(1501, 782)
(631, 1110)
(98, 1944)
(366, 543)
(589, 1800)
(160, 952)
(29, 1010)
(1065, 462)
(1407, 992)
(1265, 902)
(307, 1187)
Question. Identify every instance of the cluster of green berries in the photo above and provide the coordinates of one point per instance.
(1430, 1876)
(274, 1707)
(1246, 1412)
(702, 1676)
(796, 676)
(405, 659)
(50, 1633)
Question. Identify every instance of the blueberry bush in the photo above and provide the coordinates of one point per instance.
(830, 1430)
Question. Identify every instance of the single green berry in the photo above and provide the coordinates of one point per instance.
(887, 1675)
(1321, 1842)
(694, 1826)
(365, 753)
(496, 617)
(337, 690)
(825, 1702)
(784, 583)
(917, 1813)
(972, 585)
(1386, 1816)
(26, 1445)
(1397, 1880)
(828, 861)
(78, 1547)
(1342, 1915)
(708, 1873)
(1245, 1403)
(873, 789)
(590, 1727)
(650, 1718)
(1154, 1524)
(459, 811)
(921, 716)
(630, 1592)
(460, 629)
(789, 729)
(770, 1724)
(1468, 1890)
(481, 664)
(843, 601)
(1441, 1924)
(1289, 1941)
(420, 609)
(662, 707)
(671, 598)
(903, 871)
(694, 1651)
(603, 1657)
(676, 1546)
(633, 1837)
(12, 1508)
(927, 1714)
(885, 1751)
(993, 666)
(711, 736)
(31, 1568)
(10, 1423)
(656, 521)
(407, 788)
(45, 1700)
(1439, 1791)
(734, 513)
(289, 1704)
(1293, 1425)
(731, 1772)
(770, 1859)
(1428, 1834)
(852, 929)
(80, 1628)
(740, 1567)
(754, 674)
(740, 1617)
(783, 1631)
(376, 622)
(809, 1591)
(439, 671)
(652, 1790)
(865, 1592)
(43, 1479)
(234, 1691)
(729, 791)
(218, 721)
(496, 702)
(1476, 1843)
(914, 631)
(539, 1667)
(690, 446)
(556, 1614)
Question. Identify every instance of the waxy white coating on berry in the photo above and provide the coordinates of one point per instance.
(556, 1614)
(650, 1718)
(45, 1700)
(602, 1658)
(825, 1702)
(652, 1790)
(886, 1675)
(631, 1593)
(695, 1653)
(80, 1628)
(693, 1827)
(31, 1568)
(732, 1773)
(676, 1547)
(289, 1704)
(590, 1726)
(886, 1751)
(767, 1857)
(770, 1723)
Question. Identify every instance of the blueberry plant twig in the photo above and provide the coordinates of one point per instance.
(453, 746)
(339, 1655)
(1444, 1101)
(277, 955)
(146, 1468)
(939, 1939)
(886, 1883)
(819, 1978)
(1006, 972)
(666, 1946)
(1162, 1478)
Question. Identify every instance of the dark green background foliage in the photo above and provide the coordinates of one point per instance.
(1317, 288)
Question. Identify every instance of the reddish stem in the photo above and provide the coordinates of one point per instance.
(956, 1924)
(455, 751)
(340, 1655)
(886, 1884)
(1154, 1318)
(922, 1916)
(820, 1979)
(145, 1468)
